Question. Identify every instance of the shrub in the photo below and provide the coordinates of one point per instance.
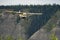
(0, 38)
(53, 37)
(9, 38)
(50, 26)
(20, 38)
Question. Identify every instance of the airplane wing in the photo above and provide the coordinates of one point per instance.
(29, 14)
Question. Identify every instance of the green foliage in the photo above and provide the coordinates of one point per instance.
(20, 38)
(32, 8)
(9, 38)
(50, 26)
(0, 38)
(53, 37)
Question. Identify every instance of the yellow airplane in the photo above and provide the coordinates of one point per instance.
(23, 14)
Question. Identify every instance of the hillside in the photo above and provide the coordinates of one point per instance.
(11, 26)
(50, 30)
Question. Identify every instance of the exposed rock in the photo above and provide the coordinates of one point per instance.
(10, 26)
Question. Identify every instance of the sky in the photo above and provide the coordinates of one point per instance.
(28, 2)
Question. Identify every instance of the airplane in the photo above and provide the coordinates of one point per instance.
(23, 15)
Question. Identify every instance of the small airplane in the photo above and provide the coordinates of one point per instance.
(23, 14)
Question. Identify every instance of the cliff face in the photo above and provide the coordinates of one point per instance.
(11, 25)
(50, 31)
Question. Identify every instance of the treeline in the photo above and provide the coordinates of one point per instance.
(32, 8)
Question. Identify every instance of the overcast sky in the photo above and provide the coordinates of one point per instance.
(28, 2)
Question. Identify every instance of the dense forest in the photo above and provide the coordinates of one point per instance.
(37, 21)
(32, 8)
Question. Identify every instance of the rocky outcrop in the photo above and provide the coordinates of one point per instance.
(11, 25)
